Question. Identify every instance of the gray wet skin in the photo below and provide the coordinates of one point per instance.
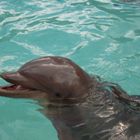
(80, 107)
(53, 77)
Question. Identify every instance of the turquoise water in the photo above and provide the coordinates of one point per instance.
(102, 36)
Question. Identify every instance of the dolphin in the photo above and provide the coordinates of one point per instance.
(80, 106)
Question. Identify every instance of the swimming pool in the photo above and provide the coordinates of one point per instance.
(101, 36)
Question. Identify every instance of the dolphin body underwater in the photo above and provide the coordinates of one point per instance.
(80, 106)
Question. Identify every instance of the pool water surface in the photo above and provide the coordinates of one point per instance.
(102, 36)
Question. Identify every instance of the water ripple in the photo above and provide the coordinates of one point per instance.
(33, 49)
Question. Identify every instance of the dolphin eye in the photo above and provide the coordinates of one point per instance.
(57, 94)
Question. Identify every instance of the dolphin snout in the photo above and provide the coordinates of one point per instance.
(11, 77)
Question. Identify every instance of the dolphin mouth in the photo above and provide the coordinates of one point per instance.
(12, 87)
(14, 83)
(17, 90)
(13, 90)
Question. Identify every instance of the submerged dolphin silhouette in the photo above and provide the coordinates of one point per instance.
(80, 106)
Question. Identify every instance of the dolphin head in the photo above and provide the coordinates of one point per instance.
(53, 78)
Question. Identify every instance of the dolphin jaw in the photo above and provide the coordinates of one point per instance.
(12, 87)
(13, 84)
(17, 91)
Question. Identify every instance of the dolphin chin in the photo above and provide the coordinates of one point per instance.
(17, 91)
